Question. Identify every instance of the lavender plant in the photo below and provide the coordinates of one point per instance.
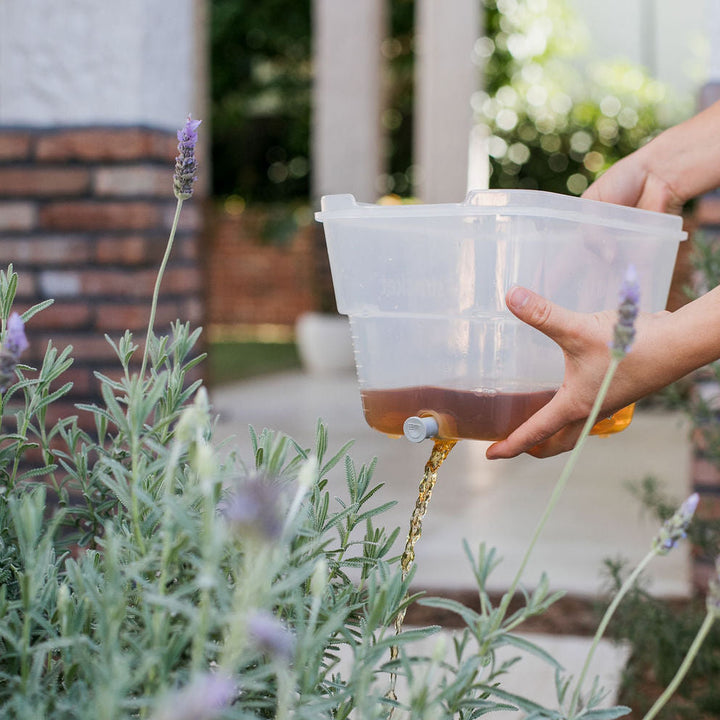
(146, 574)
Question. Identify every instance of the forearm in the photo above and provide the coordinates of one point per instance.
(670, 346)
(687, 156)
(679, 164)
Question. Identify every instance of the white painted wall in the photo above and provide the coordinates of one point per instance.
(671, 38)
(76, 62)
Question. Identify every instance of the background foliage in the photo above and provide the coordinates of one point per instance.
(551, 125)
(260, 95)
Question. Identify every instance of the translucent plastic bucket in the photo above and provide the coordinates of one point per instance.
(424, 287)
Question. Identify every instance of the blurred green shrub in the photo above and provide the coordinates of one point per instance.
(551, 124)
(260, 62)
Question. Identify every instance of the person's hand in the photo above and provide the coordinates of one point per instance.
(584, 339)
(632, 182)
(679, 164)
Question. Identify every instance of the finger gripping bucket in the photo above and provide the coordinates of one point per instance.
(424, 287)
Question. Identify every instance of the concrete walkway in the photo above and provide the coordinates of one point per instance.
(497, 502)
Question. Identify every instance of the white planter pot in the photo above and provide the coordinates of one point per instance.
(324, 343)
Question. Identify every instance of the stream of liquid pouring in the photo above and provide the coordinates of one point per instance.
(441, 449)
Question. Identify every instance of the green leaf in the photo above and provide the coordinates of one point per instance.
(35, 309)
(375, 511)
(253, 439)
(36, 472)
(320, 441)
(483, 707)
(470, 617)
(336, 458)
(532, 648)
(522, 702)
(607, 714)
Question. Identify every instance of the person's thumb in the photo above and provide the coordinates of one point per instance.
(550, 319)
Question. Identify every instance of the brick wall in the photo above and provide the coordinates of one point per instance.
(705, 469)
(253, 281)
(84, 218)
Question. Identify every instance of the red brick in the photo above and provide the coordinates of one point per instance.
(106, 144)
(163, 146)
(708, 507)
(27, 287)
(145, 180)
(187, 248)
(44, 250)
(113, 318)
(89, 215)
(704, 472)
(115, 372)
(39, 181)
(699, 439)
(707, 211)
(138, 284)
(16, 216)
(192, 311)
(199, 372)
(254, 283)
(682, 274)
(66, 408)
(121, 283)
(126, 250)
(15, 145)
(701, 574)
(82, 378)
(90, 346)
(181, 280)
(62, 315)
(190, 216)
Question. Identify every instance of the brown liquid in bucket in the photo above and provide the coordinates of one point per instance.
(466, 413)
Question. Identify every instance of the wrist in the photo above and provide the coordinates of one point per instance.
(686, 157)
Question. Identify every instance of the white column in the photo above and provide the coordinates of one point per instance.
(347, 139)
(712, 13)
(445, 79)
(710, 90)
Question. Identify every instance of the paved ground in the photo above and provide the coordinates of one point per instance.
(496, 502)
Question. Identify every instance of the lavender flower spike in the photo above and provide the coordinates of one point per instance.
(15, 340)
(185, 163)
(624, 333)
(675, 528)
(205, 698)
(14, 344)
(270, 636)
(255, 509)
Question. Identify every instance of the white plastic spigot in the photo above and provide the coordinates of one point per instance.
(416, 429)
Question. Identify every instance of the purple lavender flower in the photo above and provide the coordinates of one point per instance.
(15, 340)
(675, 528)
(14, 344)
(256, 508)
(203, 699)
(270, 636)
(185, 163)
(624, 333)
